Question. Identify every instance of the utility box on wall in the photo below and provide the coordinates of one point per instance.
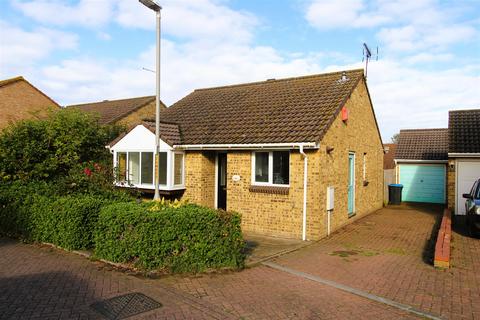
(330, 198)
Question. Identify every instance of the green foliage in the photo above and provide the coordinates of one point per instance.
(49, 149)
(66, 221)
(188, 238)
(34, 212)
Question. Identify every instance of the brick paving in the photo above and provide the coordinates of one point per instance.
(45, 283)
(389, 254)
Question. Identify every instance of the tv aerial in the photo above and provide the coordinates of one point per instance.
(367, 55)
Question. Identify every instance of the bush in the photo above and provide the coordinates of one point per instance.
(16, 203)
(66, 221)
(189, 238)
(49, 149)
(33, 212)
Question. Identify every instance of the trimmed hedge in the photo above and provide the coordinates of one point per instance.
(189, 238)
(66, 221)
(31, 212)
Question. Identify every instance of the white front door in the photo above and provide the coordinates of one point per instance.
(467, 173)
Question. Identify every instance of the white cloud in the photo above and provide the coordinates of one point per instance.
(89, 13)
(345, 14)
(20, 49)
(407, 97)
(200, 19)
(406, 25)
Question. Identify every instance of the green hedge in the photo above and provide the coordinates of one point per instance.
(66, 221)
(189, 238)
(33, 213)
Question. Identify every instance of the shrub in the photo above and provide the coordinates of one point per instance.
(48, 149)
(16, 202)
(67, 221)
(33, 212)
(189, 238)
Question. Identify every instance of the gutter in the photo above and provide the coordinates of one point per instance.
(247, 146)
(419, 161)
(305, 177)
(464, 155)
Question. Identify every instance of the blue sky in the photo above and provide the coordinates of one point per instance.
(87, 50)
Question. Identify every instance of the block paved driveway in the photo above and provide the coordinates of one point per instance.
(389, 254)
(382, 254)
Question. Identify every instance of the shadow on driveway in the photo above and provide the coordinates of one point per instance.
(58, 295)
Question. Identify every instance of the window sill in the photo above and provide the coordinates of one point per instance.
(269, 189)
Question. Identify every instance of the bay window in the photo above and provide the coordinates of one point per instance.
(136, 169)
(271, 168)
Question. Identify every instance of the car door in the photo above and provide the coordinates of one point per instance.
(470, 203)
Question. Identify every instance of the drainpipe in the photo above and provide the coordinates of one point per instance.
(305, 177)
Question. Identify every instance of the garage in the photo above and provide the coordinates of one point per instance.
(423, 182)
(468, 171)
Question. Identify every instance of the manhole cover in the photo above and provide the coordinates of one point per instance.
(125, 306)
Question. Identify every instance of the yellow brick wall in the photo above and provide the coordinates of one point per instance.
(451, 185)
(281, 215)
(264, 213)
(136, 117)
(200, 178)
(358, 135)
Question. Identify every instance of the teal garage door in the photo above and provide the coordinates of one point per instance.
(423, 183)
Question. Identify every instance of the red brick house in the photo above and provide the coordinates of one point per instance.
(20, 100)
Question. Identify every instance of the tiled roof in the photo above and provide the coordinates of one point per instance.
(111, 111)
(20, 100)
(389, 155)
(422, 144)
(273, 111)
(464, 131)
(169, 132)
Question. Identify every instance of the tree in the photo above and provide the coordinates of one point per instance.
(48, 149)
(395, 137)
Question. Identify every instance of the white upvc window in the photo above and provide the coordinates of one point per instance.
(271, 168)
(178, 168)
(136, 169)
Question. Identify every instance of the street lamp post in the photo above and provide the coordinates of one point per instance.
(155, 7)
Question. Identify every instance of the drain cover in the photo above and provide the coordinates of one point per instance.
(125, 306)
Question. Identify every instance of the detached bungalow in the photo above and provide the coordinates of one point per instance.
(297, 157)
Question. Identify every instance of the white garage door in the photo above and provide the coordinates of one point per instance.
(467, 173)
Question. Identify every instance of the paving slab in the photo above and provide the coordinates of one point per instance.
(260, 248)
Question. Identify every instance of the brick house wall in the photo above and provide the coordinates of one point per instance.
(281, 214)
(138, 115)
(200, 178)
(358, 135)
(19, 101)
(451, 180)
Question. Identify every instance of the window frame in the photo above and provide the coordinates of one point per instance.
(170, 178)
(173, 168)
(270, 169)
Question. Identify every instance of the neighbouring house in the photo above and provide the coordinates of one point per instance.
(421, 160)
(125, 112)
(463, 156)
(388, 167)
(440, 165)
(297, 157)
(20, 100)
